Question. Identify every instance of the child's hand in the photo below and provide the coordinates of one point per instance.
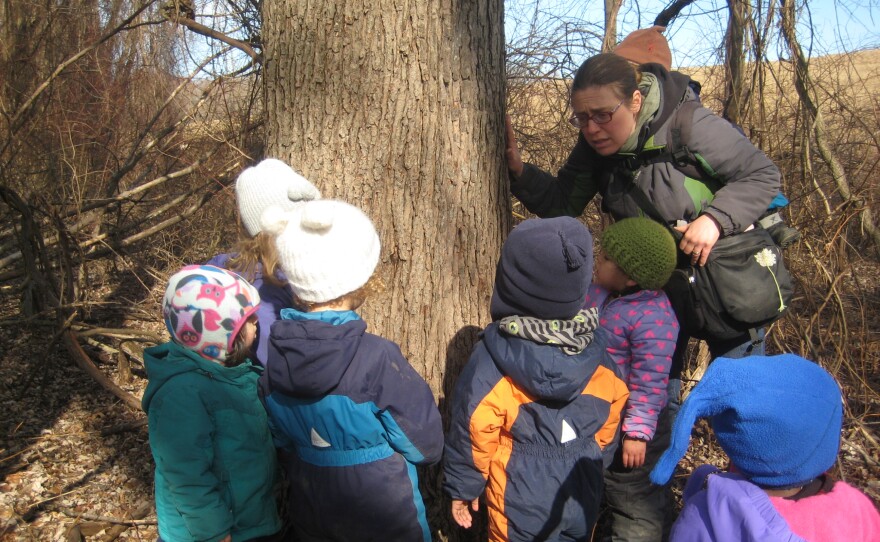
(633, 452)
(460, 512)
(227, 538)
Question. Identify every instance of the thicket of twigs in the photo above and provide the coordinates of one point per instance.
(115, 169)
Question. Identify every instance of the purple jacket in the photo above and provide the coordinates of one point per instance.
(640, 330)
(723, 506)
(272, 300)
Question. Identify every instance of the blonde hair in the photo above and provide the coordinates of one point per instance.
(374, 286)
(253, 251)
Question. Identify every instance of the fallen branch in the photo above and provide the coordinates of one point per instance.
(118, 333)
(136, 519)
(86, 364)
(114, 533)
(123, 428)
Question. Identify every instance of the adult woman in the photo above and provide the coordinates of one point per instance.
(624, 115)
(623, 112)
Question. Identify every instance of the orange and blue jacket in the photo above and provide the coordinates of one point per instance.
(534, 427)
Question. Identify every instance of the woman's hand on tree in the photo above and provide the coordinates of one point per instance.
(514, 158)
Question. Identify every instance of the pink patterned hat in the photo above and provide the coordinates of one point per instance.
(204, 308)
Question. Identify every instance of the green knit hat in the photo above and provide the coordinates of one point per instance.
(643, 249)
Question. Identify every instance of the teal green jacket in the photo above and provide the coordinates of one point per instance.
(215, 462)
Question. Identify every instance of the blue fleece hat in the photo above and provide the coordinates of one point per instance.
(544, 271)
(778, 418)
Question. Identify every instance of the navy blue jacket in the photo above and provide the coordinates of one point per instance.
(533, 426)
(352, 418)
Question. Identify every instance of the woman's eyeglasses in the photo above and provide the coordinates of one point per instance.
(580, 120)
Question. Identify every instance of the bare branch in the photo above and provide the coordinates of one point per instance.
(86, 364)
(671, 12)
(26, 106)
(209, 32)
(807, 93)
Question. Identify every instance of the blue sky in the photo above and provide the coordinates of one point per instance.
(838, 25)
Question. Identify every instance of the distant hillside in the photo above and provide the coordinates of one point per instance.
(853, 76)
(543, 104)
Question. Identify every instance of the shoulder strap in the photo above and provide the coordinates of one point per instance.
(677, 150)
(638, 195)
(680, 134)
(644, 203)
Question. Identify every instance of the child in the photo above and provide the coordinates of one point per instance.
(778, 419)
(536, 410)
(269, 183)
(350, 414)
(215, 464)
(636, 259)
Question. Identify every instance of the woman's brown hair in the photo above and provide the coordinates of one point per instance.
(608, 69)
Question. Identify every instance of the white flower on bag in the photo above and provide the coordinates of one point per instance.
(766, 258)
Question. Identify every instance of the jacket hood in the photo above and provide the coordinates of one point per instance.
(544, 371)
(307, 358)
(726, 506)
(167, 360)
(674, 90)
(742, 511)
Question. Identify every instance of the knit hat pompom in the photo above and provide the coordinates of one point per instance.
(544, 270)
(319, 218)
(643, 249)
(777, 418)
(326, 248)
(204, 308)
(645, 46)
(270, 183)
(274, 220)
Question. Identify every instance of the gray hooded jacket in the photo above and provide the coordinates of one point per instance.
(746, 180)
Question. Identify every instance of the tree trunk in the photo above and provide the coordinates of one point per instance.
(609, 41)
(398, 108)
(734, 46)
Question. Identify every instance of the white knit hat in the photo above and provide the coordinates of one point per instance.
(271, 182)
(326, 248)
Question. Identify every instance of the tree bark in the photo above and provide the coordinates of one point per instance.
(612, 8)
(397, 107)
(735, 51)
